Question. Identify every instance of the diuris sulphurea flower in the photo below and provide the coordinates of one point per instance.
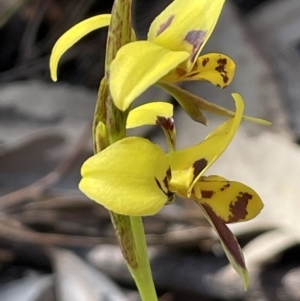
(171, 52)
(134, 177)
(169, 55)
(137, 165)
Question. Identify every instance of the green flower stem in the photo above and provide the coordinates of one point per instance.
(129, 230)
(132, 241)
(120, 30)
(109, 126)
(142, 274)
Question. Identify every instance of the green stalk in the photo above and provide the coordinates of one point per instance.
(129, 230)
(142, 274)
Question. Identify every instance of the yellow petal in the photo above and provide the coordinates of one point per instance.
(197, 159)
(186, 25)
(187, 103)
(147, 114)
(229, 243)
(215, 68)
(231, 201)
(137, 66)
(73, 35)
(130, 177)
(180, 182)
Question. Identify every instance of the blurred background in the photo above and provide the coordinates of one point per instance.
(56, 245)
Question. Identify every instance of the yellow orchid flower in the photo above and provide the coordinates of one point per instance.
(171, 53)
(134, 177)
(179, 171)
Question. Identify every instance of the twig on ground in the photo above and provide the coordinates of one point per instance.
(35, 190)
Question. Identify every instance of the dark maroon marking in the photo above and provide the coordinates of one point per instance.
(226, 236)
(207, 194)
(221, 69)
(238, 208)
(225, 187)
(196, 38)
(199, 166)
(166, 182)
(169, 193)
(165, 25)
(205, 61)
(159, 185)
(180, 72)
(169, 174)
(166, 123)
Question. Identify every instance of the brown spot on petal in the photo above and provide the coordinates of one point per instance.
(205, 61)
(195, 38)
(238, 208)
(165, 25)
(225, 187)
(207, 194)
(226, 236)
(199, 166)
(221, 69)
(180, 72)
